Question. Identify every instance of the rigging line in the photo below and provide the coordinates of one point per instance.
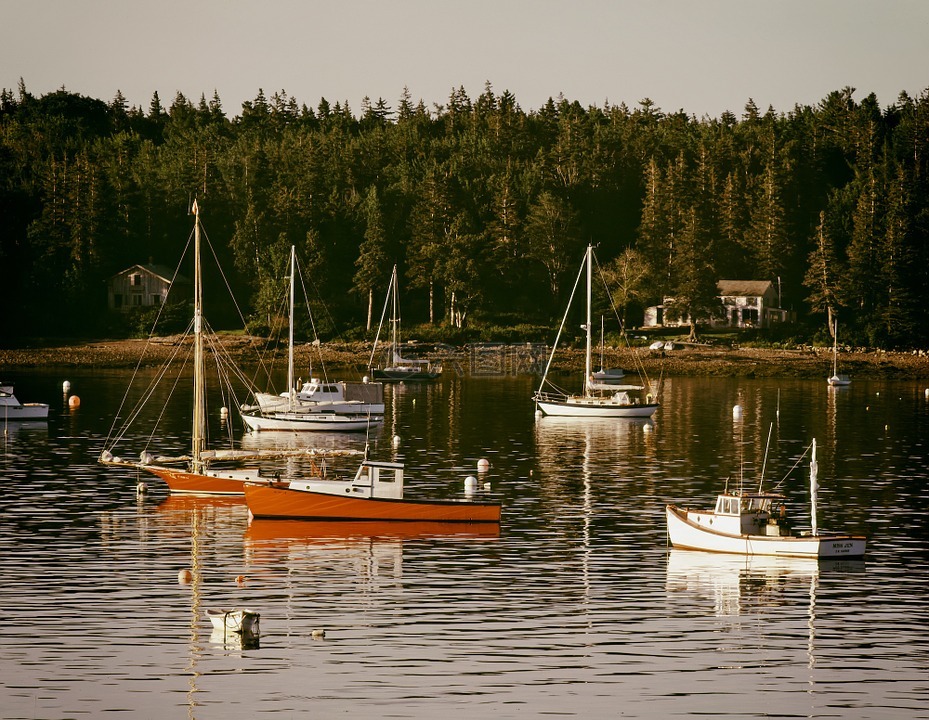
(147, 393)
(636, 360)
(383, 315)
(148, 343)
(551, 356)
(309, 312)
(794, 467)
(764, 462)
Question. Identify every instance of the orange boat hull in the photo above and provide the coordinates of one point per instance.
(283, 503)
(179, 481)
(329, 532)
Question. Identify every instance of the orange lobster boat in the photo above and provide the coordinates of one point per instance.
(374, 493)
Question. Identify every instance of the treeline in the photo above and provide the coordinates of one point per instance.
(486, 208)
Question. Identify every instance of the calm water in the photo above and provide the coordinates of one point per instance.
(574, 609)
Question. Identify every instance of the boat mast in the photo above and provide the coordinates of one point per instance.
(394, 319)
(587, 366)
(197, 441)
(835, 349)
(814, 486)
(290, 337)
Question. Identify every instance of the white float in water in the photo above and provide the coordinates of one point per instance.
(395, 441)
(736, 412)
(141, 488)
(66, 386)
(224, 412)
(470, 484)
(483, 465)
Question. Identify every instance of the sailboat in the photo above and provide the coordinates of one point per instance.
(607, 376)
(398, 368)
(306, 413)
(836, 378)
(599, 399)
(195, 473)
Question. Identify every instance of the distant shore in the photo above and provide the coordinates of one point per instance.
(701, 361)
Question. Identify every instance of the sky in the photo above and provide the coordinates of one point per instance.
(700, 56)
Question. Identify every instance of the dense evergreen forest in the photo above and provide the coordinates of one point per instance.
(486, 208)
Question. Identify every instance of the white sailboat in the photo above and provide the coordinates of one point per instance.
(599, 399)
(398, 368)
(291, 412)
(836, 378)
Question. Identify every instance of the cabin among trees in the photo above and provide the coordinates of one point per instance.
(745, 304)
(143, 286)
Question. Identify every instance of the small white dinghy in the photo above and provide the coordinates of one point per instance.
(244, 622)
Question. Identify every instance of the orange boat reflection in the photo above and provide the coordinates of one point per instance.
(325, 531)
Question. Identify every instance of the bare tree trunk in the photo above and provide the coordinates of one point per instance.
(370, 306)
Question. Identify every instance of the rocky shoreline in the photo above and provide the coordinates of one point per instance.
(694, 361)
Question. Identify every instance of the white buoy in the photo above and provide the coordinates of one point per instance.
(647, 427)
(396, 441)
(538, 413)
(365, 380)
(487, 486)
(224, 412)
(470, 485)
(318, 634)
(66, 386)
(141, 488)
(483, 465)
(736, 412)
(927, 392)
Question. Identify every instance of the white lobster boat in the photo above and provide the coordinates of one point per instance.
(13, 409)
(756, 523)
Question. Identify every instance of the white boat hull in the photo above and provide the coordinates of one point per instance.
(244, 622)
(596, 409)
(839, 380)
(29, 411)
(309, 422)
(685, 533)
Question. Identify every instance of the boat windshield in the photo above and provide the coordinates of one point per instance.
(756, 504)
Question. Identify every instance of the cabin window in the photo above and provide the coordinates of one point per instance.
(135, 279)
(156, 300)
(137, 300)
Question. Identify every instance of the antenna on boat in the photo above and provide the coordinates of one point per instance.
(764, 462)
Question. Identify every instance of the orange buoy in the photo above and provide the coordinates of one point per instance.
(184, 576)
(74, 401)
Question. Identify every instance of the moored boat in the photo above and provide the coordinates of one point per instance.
(376, 492)
(757, 523)
(241, 621)
(603, 397)
(13, 409)
(837, 379)
(398, 368)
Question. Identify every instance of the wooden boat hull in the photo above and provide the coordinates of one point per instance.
(684, 533)
(579, 408)
(328, 532)
(212, 482)
(265, 501)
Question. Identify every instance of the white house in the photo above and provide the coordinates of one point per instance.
(143, 286)
(746, 304)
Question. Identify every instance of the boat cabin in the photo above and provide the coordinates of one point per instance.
(383, 480)
(749, 514)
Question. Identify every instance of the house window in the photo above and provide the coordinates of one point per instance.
(137, 300)
(156, 300)
(135, 280)
(749, 316)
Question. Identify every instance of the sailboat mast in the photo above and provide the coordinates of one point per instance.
(199, 425)
(835, 349)
(587, 366)
(395, 318)
(290, 337)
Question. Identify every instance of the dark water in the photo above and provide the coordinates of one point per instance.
(574, 609)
